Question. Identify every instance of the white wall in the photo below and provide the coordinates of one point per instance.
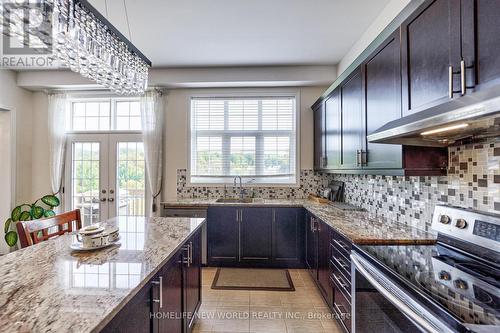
(176, 131)
(390, 11)
(19, 102)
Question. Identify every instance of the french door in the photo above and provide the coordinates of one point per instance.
(105, 176)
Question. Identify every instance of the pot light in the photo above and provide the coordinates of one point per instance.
(444, 129)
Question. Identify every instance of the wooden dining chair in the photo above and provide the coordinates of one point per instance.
(33, 232)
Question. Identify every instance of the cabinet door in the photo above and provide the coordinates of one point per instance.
(323, 261)
(172, 294)
(382, 73)
(481, 43)
(431, 43)
(192, 281)
(222, 234)
(333, 130)
(319, 135)
(312, 246)
(256, 234)
(288, 231)
(352, 120)
(135, 316)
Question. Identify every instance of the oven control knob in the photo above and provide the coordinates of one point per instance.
(444, 275)
(461, 224)
(461, 284)
(445, 219)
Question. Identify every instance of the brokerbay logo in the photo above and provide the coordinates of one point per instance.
(26, 34)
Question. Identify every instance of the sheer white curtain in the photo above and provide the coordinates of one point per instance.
(57, 107)
(152, 110)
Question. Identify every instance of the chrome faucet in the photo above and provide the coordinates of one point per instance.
(242, 191)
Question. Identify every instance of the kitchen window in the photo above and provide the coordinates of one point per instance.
(251, 137)
(108, 114)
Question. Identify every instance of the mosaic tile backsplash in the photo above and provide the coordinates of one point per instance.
(310, 182)
(473, 181)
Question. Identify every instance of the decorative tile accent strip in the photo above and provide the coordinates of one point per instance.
(310, 182)
(473, 181)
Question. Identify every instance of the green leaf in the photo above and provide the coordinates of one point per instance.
(49, 213)
(25, 216)
(37, 212)
(51, 200)
(7, 225)
(16, 213)
(11, 238)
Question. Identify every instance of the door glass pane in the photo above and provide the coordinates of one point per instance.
(131, 179)
(85, 180)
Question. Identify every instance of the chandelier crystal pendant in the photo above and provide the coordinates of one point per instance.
(88, 44)
(83, 40)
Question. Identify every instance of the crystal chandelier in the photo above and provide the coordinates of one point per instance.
(87, 43)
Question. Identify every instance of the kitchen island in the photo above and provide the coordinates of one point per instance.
(49, 287)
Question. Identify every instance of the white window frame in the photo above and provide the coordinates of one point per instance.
(247, 179)
(98, 98)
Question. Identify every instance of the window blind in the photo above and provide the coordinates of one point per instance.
(250, 137)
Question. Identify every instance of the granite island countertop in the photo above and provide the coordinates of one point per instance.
(48, 287)
(360, 227)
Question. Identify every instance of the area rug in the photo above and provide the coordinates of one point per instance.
(253, 279)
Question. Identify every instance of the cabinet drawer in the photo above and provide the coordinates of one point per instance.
(342, 263)
(341, 244)
(341, 282)
(342, 308)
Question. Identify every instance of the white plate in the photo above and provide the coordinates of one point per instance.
(79, 246)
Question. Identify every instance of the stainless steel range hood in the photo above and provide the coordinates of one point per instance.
(461, 120)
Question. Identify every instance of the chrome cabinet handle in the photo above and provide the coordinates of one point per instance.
(358, 157)
(450, 82)
(340, 282)
(190, 252)
(103, 199)
(342, 314)
(462, 77)
(341, 263)
(111, 199)
(160, 301)
(342, 245)
(184, 259)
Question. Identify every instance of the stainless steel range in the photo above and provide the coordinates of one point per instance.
(453, 286)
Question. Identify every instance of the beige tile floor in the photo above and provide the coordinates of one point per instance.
(265, 311)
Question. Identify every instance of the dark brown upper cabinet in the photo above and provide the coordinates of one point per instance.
(450, 49)
(382, 103)
(480, 43)
(333, 134)
(351, 95)
(430, 55)
(319, 135)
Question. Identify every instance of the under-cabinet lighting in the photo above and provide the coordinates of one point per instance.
(444, 129)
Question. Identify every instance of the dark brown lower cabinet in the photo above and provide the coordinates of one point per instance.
(169, 301)
(192, 281)
(323, 261)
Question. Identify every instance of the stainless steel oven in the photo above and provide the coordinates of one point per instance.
(381, 306)
(450, 286)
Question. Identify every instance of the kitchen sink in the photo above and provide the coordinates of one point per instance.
(238, 200)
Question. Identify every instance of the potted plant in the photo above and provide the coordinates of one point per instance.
(41, 208)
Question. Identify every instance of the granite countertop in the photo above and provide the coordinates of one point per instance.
(357, 226)
(47, 287)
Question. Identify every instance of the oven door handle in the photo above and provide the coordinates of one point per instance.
(408, 311)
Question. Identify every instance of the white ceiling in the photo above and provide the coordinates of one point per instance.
(185, 33)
